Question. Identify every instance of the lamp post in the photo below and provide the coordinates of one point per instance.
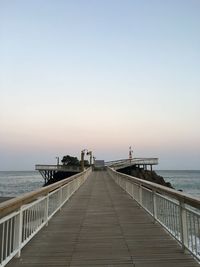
(82, 159)
(57, 160)
(90, 153)
(94, 158)
(130, 153)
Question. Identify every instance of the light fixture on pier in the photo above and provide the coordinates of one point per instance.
(90, 154)
(130, 153)
(82, 159)
(57, 160)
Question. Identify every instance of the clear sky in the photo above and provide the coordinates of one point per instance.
(102, 75)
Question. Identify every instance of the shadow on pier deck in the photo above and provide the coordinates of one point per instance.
(102, 226)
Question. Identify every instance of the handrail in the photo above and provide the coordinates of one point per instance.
(15, 203)
(55, 167)
(134, 161)
(177, 212)
(180, 196)
(127, 159)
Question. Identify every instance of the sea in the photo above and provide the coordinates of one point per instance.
(186, 180)
(15, 183)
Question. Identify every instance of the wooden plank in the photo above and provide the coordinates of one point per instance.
(102, 226)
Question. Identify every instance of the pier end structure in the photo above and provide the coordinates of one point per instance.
(52, 173)
(142, 163)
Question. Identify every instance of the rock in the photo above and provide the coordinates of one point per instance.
(150, 176)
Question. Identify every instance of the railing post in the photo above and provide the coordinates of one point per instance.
(154, 206)
(60, 197)
(183, 226)
(18, 233)
(46, 215)
(140, 194)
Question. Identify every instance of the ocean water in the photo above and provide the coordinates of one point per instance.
(15, 183)
(188, 181)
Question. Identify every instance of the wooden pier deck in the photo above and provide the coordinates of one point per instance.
(102, 226)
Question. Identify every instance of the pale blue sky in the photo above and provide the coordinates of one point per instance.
(101, 75)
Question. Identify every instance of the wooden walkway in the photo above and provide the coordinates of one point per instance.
(102, 226)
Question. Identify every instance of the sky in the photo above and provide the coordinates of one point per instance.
(100, 75)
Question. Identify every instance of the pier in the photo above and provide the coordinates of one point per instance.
(144, 163)
(49, 172)
(101, 218)
(52, 172)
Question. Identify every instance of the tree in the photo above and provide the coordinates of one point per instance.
(70, 161)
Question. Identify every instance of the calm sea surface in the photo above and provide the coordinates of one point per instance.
(188, 181)
(15, 183)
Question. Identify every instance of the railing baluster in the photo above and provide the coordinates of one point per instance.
(47, 210)
(19, 233)
(192, 235)
(195, 234)
(140, 195)
(10, 242)
(154, 205)
(6, 244)
(2, 242)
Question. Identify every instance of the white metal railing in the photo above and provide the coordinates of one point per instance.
(128, 162)
(43, 167)
(26, 219)
(177, 212)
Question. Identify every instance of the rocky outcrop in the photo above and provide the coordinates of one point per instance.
(58, 176)
(147, 175)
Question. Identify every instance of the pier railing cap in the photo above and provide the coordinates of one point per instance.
(180, 196)
(133, 161)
